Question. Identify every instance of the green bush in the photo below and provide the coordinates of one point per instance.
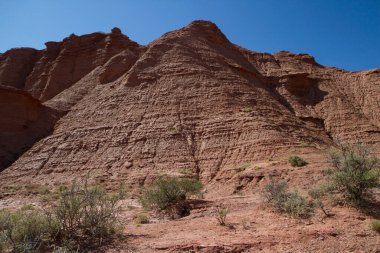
(317, 193)
(166, 194)
(355, 171)
(296, 161)
(2, 242)
(142, 218)
(375, 225)
(296, 205)
(247, 109)
(26, 230)
(84, 211)
(221, 215)
(37, 189)
(276, 194)
(82, 214)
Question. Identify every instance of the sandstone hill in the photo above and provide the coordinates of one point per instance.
(189, 104)
(189, 101)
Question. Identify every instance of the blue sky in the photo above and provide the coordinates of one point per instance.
(340, 33)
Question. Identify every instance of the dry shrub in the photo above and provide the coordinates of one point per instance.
(170, 194)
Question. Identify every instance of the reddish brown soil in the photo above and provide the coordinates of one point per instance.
(252, 226)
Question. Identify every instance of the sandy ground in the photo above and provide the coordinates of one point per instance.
(252, 226)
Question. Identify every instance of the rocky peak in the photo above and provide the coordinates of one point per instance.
(116, 31)
(204, 29)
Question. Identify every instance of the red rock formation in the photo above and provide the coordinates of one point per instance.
(24, 120)
(189, 100)
(15, 65)
(46, 73)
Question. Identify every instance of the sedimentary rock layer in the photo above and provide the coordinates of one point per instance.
(189, 102)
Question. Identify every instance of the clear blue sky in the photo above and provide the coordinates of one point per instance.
(340, 33)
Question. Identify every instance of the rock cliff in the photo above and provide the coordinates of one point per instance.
(189, 101)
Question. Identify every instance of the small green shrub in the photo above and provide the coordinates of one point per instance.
(3, 240)
(296, 161)
(282, 201)
(82, 214)
(245, 223)
(276, 194)
(37, 189)
(375, 225)
(355, 171)
(247, 109)
(221, 215)
(243, 167)
(142, 218)
(26, 230)
(317, 193)
(87, 211)
(168, 193)
(297, 206)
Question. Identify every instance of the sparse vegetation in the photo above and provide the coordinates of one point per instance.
(221, 215)
(245, 223)
(142, 218)
(283, 201)
(275, 194)
(296, 161)
(2, 242)
(247, 109)
(64, 250)
(317, 193)
(186, 171)
(87, 211)
(37, 189)
(297, 206)
(170, 194)
(82, 214)
(355, 172)
(375, 225)
(243, 167)
(26, 230)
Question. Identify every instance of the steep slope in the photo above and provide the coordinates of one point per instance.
(23, 121)
(193, 102)
(46, 73)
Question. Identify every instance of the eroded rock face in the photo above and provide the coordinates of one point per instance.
(24, 120)
(15, 65)
(346, 103)
(190, 101)
(46, 73)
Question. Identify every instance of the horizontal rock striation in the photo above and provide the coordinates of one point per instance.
(190, 102)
